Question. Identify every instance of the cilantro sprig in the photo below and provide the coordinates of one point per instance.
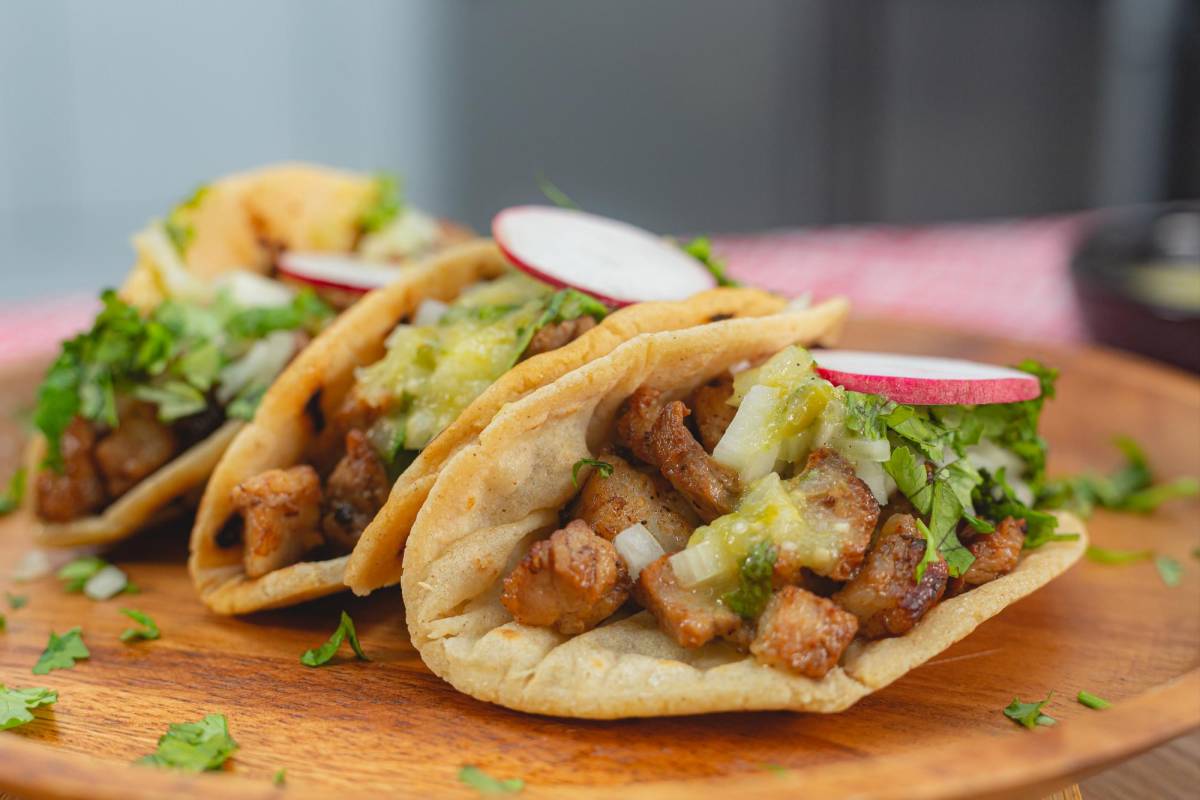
(1130, 488)
(603, 467)
(1029, 714)
(345, 631)
(147, 630)
(1092, 701)
(484, 783)
(62, 652)
(1169, 569)
(385, 206)
(194, 746)
(562, 306)
(16, 705)
(700, 249)
(754, 581)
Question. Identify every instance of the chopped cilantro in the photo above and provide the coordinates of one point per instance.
(1129, 488)
(995, 499)
(16, 705)
(10, 499)
(16, 601)
(777, 769)
(178, 229)
(603, 467)
(280, 777)
(194, 746)
(700, 249)
(148, 630)
(385, 206)
(1104, 555)
(175, 399)
(62, 652)
(931, 551)
(245, 404)
(322, 654)
(908, 471)
(562, 306)
(754, 581)
(3, 623)
(1029, 714)
(554, 194)
(306, 311)
(1170, 570)
(483, 783)
(75, 574)
(866, 414)
(1092, 701)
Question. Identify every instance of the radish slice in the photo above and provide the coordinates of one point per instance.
(336, 271)
(613, 261)
(923, 380)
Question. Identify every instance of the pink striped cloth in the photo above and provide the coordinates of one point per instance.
(1005, 279)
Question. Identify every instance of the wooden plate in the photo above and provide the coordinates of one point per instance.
(389, 726)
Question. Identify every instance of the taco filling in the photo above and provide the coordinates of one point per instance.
(787, 516)
(138, 389)
(434, 366)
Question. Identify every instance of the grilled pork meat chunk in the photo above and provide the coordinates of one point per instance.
(691, 617)
(78, 489)
(996, 553)
(841, 513)
(552, 337)
(281, 509)
(711, 488)
(570, 582)
(355, 491)
(713, 412)
(802, 632)
(885, 595)
(138, 446)
(637, 417)
(627, 496)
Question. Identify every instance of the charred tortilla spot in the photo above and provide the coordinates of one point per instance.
(312, 408)
(720, 317)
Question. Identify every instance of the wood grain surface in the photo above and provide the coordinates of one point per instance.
(388, 725)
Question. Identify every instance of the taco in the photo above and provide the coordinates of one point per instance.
(135, 412)
(348, 441)
(697, 522)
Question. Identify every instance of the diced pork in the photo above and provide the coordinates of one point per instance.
(281, 509)
(802, 632)
(885, 595)
(692, 617)
(637, 417)
(627, 496)
(552, 337)
(570, 582)
(996, 553)
(138, 446)
(78, 489)
(711, 488)
(713, 412)
(356, 490)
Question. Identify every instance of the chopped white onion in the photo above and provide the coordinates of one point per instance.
(107, 583)
(697, 564)
(743, 447)
(801, 302)
(638, 547)
(265, 359)
(429, 312)
(33, 565)
(992, 457)
(871, 473)
(249, 289)
(173, 276)
(865, 449)
(410, 234)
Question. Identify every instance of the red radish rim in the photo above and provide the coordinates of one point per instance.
(382, 275)
(984, 384)
(501, 236)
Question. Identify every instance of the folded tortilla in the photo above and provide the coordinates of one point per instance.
(284, 429)
(506, 489)
(237, 223)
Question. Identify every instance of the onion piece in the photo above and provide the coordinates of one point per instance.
(170, 272)
(865, 449)
(747, 445)
(638, 547)
(265, 359)
(429, 312)
(698, 563)
(248, 289)
(33, 565)
(107, 583)
(871, 473)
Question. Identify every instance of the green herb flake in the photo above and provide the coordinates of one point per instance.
(483, 783)
(62, 652)
(700, 249)
(605, 469)
(10, 499)
(1092, 701)
(1104, 555)
(562, 306)
(1170, 570)
(194, 746)
(148, 630)
(554, 194)
(777, 769)
(1130, 488)
(306, 312)
(16, 705)
(1029, 714)
(3, 623)
(754, 581)
(75, 574)
(931, 551)
(322, 654)
(280, 777)
(385, 206)
(16, 601)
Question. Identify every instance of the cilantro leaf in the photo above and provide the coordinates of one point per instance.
(483, 783)
(908, 471)
(931, 551)
(866, 414)
(1130, 488)
(178, 229)
(322, 654)
(943, 522)
(562, 306)
(75, 574)
(554, 194)
(16, 601)
(700, 249)
(245, 404)
(385, 206)
(754, 581)
(61, 652)
(994, 498)
(1170, 570)
(280, 777)
(10, 499)
(603, 467)
(16, 704)
(1104, 555)
(1029, 714)
(1092, 701)
(148, 630)
(306, 311)
(194, 746)
(3, 623)
(175, 399)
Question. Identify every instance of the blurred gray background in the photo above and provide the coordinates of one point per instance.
(681, 115)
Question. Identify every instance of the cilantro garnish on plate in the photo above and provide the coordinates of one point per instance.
(147, 631)
(16, 705)
(1092, 701)
(1029, 714)
(321, 655)
(62, 652)
(10, 498)
(194, 746)
(483, 783)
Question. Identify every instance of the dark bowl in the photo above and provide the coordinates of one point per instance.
(1136, 272)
